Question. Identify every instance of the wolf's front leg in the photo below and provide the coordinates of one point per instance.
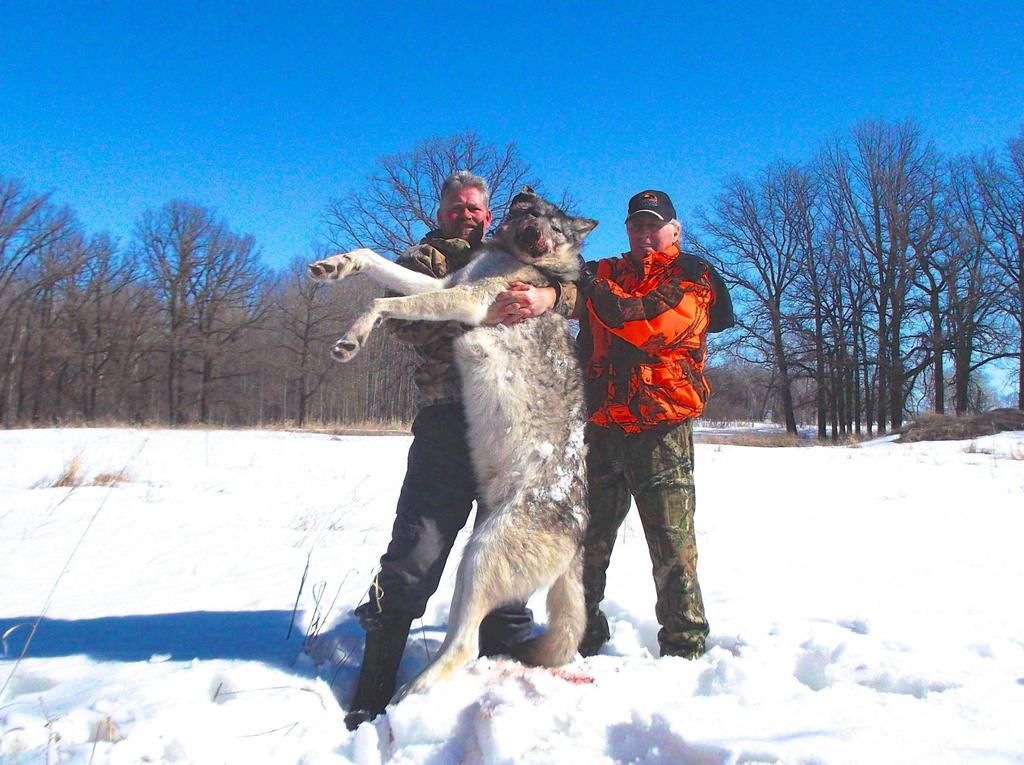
(348, 346)
(337, 267)
(385, 272)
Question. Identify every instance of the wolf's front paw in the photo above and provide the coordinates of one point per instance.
(334, 268)
(345, 349)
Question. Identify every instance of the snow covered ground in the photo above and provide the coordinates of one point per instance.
(864, 607)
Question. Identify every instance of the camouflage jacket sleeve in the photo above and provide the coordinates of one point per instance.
(426, 259)
(565, 300)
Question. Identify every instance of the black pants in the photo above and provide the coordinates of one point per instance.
(437, 497)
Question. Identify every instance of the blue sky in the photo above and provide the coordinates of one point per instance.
(265, 111)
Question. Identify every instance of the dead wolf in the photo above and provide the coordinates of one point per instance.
(523, 396)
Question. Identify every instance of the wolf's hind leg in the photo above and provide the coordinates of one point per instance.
(348, 346)
(567, 620)
(461, 642)
(484, 582)
(456, 304)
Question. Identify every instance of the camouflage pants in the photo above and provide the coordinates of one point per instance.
(656, 469)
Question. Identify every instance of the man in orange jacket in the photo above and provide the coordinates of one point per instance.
(644, 320)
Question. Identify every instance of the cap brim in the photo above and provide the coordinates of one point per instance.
(645, 212)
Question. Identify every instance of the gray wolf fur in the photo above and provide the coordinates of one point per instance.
(523, 396)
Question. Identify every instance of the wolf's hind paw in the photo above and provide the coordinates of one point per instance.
(344, 350)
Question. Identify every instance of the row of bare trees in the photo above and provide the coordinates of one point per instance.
(869, 283)
(183, 323)
(878, 278)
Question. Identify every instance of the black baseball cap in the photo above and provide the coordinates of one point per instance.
(652, 202)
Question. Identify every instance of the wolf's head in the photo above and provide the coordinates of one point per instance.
(539, 233)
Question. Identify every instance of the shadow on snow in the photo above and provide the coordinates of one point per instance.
(243, 635)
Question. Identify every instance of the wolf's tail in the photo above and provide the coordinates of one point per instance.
(567, 620)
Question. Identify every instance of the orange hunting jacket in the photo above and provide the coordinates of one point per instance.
(643, 340)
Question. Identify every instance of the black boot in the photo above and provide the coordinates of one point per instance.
(596, 634)
(504, 628)
(385, 642)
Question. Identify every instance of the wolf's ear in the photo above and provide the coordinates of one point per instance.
(523, 200)
(584, 226)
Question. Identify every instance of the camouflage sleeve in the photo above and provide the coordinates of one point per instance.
(426, 260)
(565, 302)
(581, 289)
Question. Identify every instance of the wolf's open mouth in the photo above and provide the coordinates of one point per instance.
(530, 239)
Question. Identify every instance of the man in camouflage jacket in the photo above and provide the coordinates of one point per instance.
(643, 342)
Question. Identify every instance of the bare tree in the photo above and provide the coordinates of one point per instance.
(760, 234)
(306, 321)
(171, 243)
(31, 229)
(398, 202)
(208, 281)
(937, 263)
(853, 376)
(44, 369)
(96, 301)
(882, 194)
(742, 392)
(973, 295)
(228, 287)
(821, 300)
(1001, 184)
(29, 226)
